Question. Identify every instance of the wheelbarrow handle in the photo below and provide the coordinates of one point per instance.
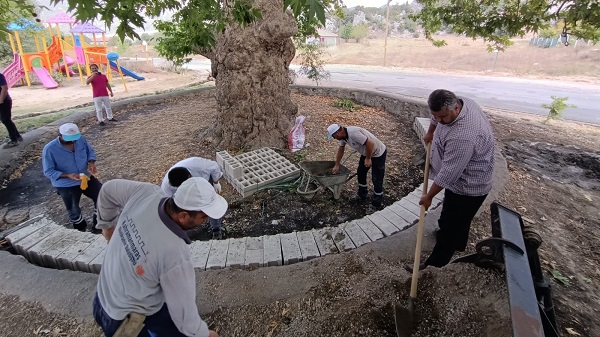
(350, 177)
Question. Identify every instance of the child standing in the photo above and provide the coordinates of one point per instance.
(100, 89)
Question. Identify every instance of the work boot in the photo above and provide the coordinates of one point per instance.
(217, 234)
(19, 138)
(409, 267)
(81, 225)
(10, 144)
(357, 199)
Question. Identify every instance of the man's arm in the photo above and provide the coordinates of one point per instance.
(369, 148)
(179, 287)
(109, 88)
(428, 136)
(90, 78)
(338, 158)
(3, 93)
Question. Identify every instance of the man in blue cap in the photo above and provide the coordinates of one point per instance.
(66, 160)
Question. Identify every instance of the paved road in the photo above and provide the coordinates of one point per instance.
(499, 92)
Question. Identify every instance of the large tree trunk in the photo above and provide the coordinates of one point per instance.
(250, 66)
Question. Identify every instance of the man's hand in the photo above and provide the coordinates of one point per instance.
(74, 176)
(425, 201)
(335, 169)
(92, 168)
(212, 334)
(368, 162)
(111, 94)
(428, 137)
(217, 187)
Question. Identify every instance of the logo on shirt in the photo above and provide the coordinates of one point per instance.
(133, 244)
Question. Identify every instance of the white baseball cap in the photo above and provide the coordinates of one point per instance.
(69, 132)
(333, 128)
(197, 194)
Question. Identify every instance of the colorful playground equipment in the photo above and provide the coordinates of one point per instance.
(55, 57)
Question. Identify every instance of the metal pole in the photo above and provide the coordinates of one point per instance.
(387, 23)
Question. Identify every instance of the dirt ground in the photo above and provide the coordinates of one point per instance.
(553, 184)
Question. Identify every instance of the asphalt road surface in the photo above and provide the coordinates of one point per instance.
(513, 94)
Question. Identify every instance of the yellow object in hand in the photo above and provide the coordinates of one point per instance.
(84, 181)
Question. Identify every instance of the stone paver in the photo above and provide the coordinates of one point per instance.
(386, 227)
(324, 241)
(369, 228)
(290, 248)
(96, 263)
(272, 249)
(255, 253)
(23, 245)
(66, 259)
(217, 257)
(341, 239)
(51, 254)
(308, 245)
(414, 209)
(404, 213)
(394, 218)
(36, 252)
(199, 251)
(355, 233)
(236, 255)
(83, 260)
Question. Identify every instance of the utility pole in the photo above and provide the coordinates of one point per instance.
(387, 25)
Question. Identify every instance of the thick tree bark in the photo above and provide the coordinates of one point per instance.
(250, 66)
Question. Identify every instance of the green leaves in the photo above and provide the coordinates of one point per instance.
(496, 21)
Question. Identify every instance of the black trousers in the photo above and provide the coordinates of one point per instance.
(5, 116)
(378, 166)
(455, 222)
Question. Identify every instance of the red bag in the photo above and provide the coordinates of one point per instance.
(297, 135)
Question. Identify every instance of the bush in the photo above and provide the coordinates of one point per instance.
(347, 105)
(556, 108)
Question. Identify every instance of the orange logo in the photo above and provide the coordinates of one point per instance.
(139, 270)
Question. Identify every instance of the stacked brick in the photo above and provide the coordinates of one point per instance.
(251, 171)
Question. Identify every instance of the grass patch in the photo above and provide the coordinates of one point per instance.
(30, 123)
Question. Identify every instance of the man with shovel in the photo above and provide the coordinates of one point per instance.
(372, 155)
(462, 163)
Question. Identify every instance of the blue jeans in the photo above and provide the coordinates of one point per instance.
(158, 325)
(72, 195)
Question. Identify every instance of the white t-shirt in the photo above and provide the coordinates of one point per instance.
(198, 167)
(357, 139)
(147, 261)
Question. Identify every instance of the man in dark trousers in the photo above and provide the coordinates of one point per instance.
(372, 155)
(462, 163)
(5, 114)
(67, 160)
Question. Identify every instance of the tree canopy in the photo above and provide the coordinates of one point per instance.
(12, 10)
(496, 21)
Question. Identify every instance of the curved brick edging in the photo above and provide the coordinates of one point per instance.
(45, 243)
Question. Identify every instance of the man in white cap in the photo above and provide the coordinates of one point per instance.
(372, 154)
(195, 167)
(148, 267)
(65, 160)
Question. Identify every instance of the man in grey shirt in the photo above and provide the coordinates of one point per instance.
(372, 154)
(147, 268)
(462, 163)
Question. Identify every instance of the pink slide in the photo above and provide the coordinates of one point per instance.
(69, 62)
(45, 78)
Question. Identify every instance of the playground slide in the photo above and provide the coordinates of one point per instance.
(70, 62)
(45, 78)
(14, 72)
(126, 71)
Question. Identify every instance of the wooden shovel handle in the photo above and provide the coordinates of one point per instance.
(415, 275)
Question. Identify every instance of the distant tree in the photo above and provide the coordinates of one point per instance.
(496, 21)
(360, 32)
(311, 61)
(346, 31)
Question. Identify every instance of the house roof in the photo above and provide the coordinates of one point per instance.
(86, 27)
(326, 33)
(61, 18)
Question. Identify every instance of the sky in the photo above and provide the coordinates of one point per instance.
(371, 3)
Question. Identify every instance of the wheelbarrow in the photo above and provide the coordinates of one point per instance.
(318, 175)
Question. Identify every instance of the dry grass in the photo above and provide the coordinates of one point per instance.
(464, 54)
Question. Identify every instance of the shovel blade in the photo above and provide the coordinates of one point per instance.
(404, 319)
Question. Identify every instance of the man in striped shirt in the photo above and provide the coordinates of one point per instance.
(462, 163)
